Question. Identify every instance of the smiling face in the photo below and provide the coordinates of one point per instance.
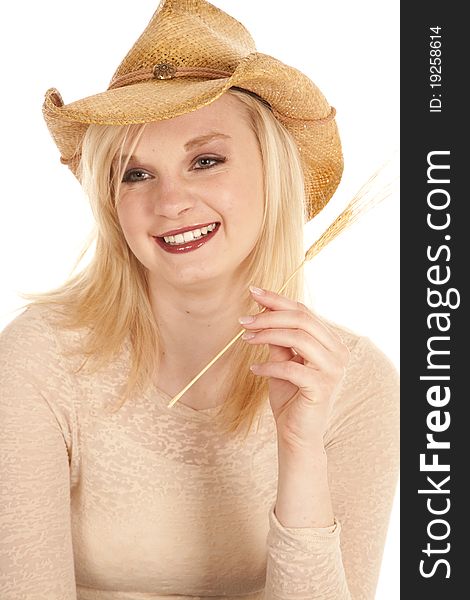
(191, 172)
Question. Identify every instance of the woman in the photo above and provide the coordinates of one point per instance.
(274, 482)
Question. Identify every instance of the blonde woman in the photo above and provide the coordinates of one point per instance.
(273, 476)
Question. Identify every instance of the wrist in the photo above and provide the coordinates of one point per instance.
(303, 495)
(296, 464)
(294, 450)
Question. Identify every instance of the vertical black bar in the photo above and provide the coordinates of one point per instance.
(434, 333)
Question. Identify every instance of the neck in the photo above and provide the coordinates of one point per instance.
(196, 321)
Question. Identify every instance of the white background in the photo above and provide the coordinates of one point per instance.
(350, 49)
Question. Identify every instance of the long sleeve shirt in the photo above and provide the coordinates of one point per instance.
(151, 503)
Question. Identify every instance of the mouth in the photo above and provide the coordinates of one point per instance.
(189, 240)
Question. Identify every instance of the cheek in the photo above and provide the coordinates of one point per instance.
(247, 195)
(252, 202)
(130, 218)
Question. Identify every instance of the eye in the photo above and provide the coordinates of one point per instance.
(206, 162)
(135, 175)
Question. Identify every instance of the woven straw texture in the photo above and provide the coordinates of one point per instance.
(200, 52)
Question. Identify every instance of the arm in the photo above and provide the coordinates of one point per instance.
(307, 364)
(342, 561)
(321, 395)
(304, 555)
(36, 555)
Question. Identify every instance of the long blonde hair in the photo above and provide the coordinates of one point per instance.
(109, 298)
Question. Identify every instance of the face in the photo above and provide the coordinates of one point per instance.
(200, 173)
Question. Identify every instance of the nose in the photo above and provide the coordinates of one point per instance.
(172, 198)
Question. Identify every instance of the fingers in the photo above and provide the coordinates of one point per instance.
(287, 313)
(293, 319)
(303, 344)
(289, 371)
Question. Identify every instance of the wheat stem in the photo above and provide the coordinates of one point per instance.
(175, 399)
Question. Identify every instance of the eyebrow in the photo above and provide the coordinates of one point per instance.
(194, 143)
(202, 139)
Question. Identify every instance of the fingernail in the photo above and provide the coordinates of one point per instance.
(256, 290)
(245, 320)
(254, 368)
(248, 335)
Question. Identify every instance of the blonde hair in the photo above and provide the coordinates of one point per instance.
(109, 298)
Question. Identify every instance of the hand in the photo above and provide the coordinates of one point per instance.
(307, 362)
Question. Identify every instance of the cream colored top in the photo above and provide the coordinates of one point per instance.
(149, 503)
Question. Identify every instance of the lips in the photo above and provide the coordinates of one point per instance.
(186, 246)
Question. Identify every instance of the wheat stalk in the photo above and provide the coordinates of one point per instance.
(363, 200)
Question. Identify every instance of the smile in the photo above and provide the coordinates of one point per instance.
(189, 236)
(189, 240)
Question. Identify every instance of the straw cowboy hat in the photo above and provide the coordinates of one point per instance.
(188, 56)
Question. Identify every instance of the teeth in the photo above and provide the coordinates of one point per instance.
(188, 236)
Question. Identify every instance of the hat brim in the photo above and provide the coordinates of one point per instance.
(298, 105)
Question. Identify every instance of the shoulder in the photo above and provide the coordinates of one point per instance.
(368, 363)
(25, 329)
(34, 325)
(32, 339)
(369, 393)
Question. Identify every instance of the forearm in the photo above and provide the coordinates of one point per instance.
(304, 553)
(303, 495)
